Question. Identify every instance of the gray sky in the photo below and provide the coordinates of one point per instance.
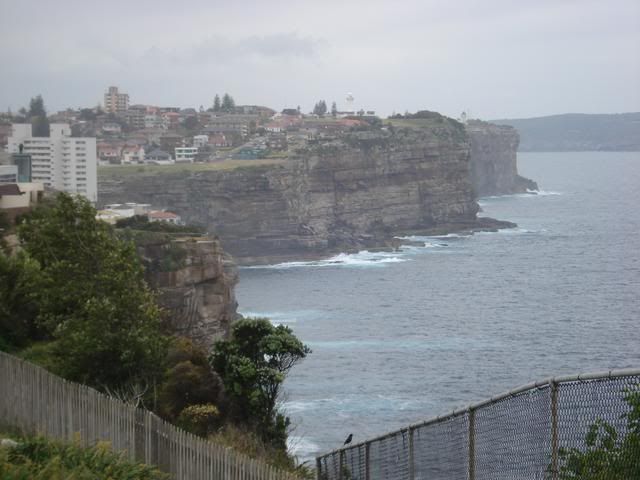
(494, 58)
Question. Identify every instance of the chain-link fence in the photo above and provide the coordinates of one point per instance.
(558, 429)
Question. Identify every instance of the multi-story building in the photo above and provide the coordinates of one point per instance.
(115, 102)
(59, 161)
(186, 154)
(200, 141)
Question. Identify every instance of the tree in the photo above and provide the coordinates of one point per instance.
(216, 103)
(253, 364)
(320, 108)
(191, 123)
(38, 117)
(18, 310)
(610, 455)
(334, 110)
(91, 296)
(228, 103)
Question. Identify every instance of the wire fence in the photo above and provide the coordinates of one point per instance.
(38, 402)
(520, 434)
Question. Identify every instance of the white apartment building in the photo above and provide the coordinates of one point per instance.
(115, 102)
(186, 154)
(200, 141)
(59, 161)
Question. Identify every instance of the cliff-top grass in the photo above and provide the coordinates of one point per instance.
(128, 170)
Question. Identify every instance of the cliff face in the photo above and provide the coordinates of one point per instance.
(494, 168)
(349, 193)
(195, 280)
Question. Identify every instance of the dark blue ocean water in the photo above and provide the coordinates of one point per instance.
(401, 337)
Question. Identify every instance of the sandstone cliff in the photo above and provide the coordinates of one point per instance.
(355, 191)
(494, 169)
(195, 280)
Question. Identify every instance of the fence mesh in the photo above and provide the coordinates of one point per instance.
(546, 432)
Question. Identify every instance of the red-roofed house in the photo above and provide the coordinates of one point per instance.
(163, 216)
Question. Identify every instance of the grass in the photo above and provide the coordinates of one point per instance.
(127, 170)
(411, 122)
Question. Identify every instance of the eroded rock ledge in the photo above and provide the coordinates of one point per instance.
(195, 280)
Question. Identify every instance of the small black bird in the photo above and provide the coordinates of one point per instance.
(348, 440)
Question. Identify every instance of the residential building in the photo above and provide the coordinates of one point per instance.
(132, 154)
(200, 141)
(186, 154)
(115, 102)
(136, 116)
(19, 198)
(219, 140)
(59, 161)
(157, 156)
(162, 216)
(8, 174)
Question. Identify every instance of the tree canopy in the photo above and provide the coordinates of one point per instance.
(320, 108)
(253, 364)
(91, 297)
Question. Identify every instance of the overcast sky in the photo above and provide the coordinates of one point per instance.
(494, 58)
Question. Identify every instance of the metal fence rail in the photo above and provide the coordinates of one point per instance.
(515, 435)
(36, 401)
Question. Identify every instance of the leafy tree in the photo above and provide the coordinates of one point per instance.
(610, 455)
(334, 110)
(38, 117)
(191, 123)
(228, 103)
(87, 114)
(189, 380)
(253, 364)
(216, 103)
(18, 310)
(91, 296)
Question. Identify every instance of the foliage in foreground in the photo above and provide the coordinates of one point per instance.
(253, 364)
(42, 459)
(78, 284)
(609, 454)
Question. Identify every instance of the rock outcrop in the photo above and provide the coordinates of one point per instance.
(348, 193)
(195, 281)
(494, 167)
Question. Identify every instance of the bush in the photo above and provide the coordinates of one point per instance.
(253, 365)
(41, 459)
(609, 454)
(200, 419)
(189, 380)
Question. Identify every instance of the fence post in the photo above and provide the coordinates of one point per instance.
(367, 455)
(472, 444)
(411, 459)
(554, 429)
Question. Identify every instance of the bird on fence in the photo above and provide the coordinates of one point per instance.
(348, 440)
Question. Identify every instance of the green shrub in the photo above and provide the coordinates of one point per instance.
(200, 419)
(42, 459)
(609, 454)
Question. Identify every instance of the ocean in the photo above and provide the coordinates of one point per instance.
(399, 337)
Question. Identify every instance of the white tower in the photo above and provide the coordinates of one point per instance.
(350, 100)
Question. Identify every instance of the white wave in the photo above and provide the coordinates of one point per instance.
(509, 231)
(529, 194)
(544, 193)
(360, 259)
